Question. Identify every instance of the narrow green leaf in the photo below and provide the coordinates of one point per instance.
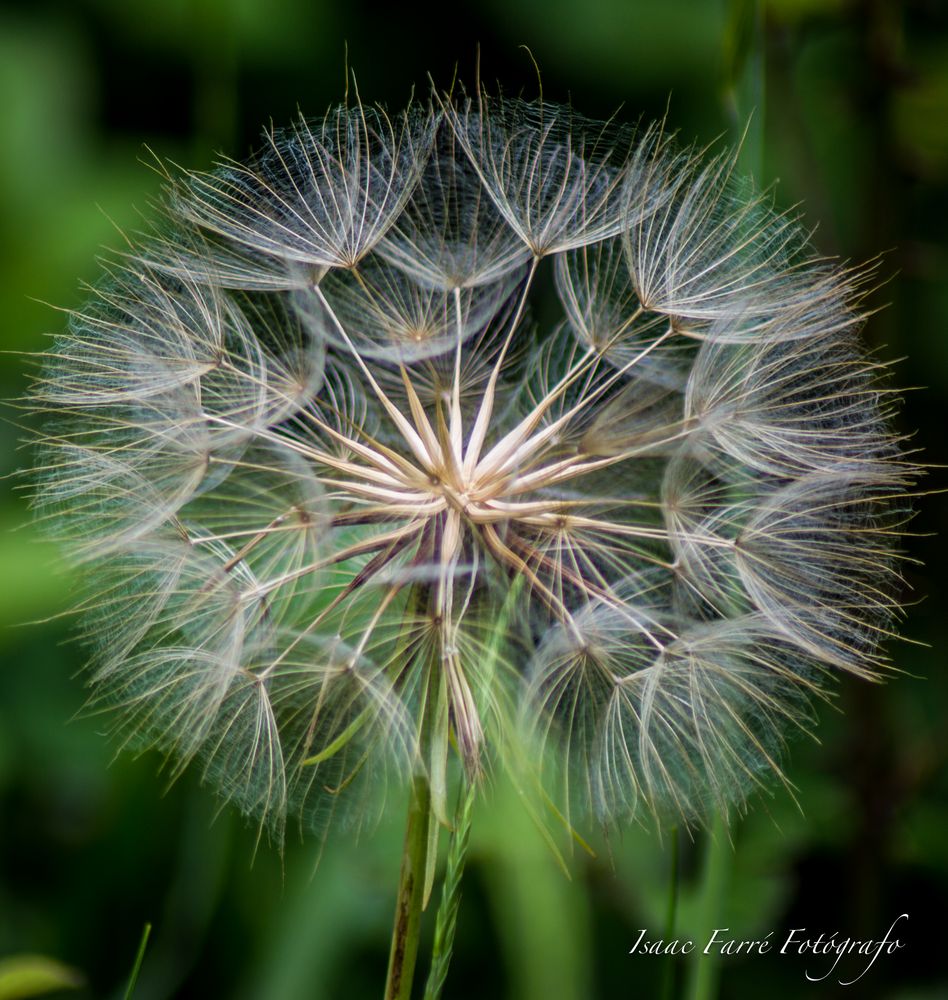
(139, 958)
(440, 734)
(431, 860)
(340, 741)
(447, 915)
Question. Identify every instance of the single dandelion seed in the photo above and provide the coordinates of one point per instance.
(355, 522)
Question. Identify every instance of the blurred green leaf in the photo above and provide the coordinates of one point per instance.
(542, 916)
(920, 113)
(48, 90)
(801, 10)
(41, 587)
(649, 40)
(35, 975)
(743, 87)
(262, 29)
(740, 36)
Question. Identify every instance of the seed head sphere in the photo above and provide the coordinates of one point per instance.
(351, 507)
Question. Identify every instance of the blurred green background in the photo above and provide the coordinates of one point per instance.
(851, 118)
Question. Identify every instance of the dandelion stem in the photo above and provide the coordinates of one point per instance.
(411, 887)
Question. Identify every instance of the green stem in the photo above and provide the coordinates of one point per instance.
(671, 917)
(715, 876)
(411, 888)
(139, 958)
(418, 855)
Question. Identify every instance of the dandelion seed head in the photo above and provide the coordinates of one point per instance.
(348, 510)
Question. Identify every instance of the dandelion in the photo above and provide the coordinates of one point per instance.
(353, 516)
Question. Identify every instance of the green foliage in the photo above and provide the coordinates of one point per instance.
(34, 976)
(137, 966)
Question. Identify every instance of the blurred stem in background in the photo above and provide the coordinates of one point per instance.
(215, 77)
(715, 878)
(743, 92)
(671, 915)
(743, 96)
